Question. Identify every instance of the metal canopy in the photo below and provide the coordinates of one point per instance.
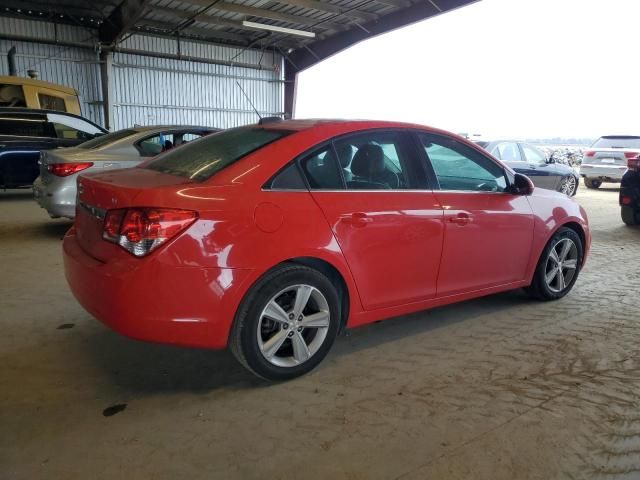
(308, 31)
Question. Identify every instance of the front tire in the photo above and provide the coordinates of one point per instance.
(558, 266)
(629, 216)
(592, 182)
(287, 323)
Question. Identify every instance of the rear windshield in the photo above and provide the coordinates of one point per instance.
(103, 140)
(617, 142)
(201, 159)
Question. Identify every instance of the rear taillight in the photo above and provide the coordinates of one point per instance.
(629, 155)
(141, 230)
(625, 200)
(66, 169)
(633, 163)
(589, 153)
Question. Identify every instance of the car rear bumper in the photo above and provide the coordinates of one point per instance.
(612, 173)
(59, 201)
(151, 300)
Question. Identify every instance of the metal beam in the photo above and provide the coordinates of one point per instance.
(195, 31)
(121, 20)
(326, 47)
(268, 14)
(330, 8)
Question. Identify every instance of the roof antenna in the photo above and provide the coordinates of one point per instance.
(249, 100)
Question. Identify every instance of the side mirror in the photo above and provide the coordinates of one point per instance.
(521, 185)
(551, 159)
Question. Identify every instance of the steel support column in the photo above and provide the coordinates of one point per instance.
(106, 78)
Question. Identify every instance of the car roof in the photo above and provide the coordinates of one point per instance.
(342, 125)
(149, 128)
(40, 111)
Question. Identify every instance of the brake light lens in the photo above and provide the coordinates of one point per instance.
(589, 153)
(633, 163)
(629, 155)
(141, 230)
(66, 169)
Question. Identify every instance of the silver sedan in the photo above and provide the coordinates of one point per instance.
(55, 188)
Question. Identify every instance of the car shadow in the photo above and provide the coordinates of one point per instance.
(16, 195)
(145, 368)
(47, 229)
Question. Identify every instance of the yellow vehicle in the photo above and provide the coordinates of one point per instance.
(31, 93)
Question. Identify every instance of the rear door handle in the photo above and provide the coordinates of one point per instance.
(461, 219)
(358, 219)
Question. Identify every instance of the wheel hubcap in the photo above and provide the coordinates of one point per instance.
(293, 325)
(562, 265)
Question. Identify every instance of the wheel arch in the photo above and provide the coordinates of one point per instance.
(579, 230)
(333, 274)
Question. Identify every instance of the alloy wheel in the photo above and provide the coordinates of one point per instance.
(568, 185)
(562, 265)
(293, 325)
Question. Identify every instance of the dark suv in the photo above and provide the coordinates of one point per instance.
(630, 192)
(24, 132)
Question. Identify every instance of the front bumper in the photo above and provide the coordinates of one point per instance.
(613, 173)
(151, 300)
(59, 201)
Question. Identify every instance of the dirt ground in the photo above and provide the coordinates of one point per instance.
(497, 388)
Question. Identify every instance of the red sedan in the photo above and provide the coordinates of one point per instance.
(270, 238)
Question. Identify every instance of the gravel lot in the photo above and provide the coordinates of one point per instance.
(497, 388)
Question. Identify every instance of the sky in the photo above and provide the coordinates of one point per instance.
(498, 68)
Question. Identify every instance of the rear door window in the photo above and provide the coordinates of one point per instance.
(321, 170)
(376, 160)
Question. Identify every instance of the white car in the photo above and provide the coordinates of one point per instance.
(606, 159)
(55, 188)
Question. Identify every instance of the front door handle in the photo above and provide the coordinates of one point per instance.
(357, 219)
(461, 219)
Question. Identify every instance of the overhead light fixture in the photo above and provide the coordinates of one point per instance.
(273, 28)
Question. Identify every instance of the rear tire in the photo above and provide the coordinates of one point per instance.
(287, 323)
(557, 269)
(592, 182)
(569, 185)
(629, 215)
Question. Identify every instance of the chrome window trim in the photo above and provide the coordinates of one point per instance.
(404, 190)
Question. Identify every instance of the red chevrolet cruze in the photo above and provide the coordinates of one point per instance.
(270, 238)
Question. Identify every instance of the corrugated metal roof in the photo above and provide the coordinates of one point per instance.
(221, 20)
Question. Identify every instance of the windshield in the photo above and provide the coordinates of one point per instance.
(201, 159)
(103, 140)
(617, 142)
